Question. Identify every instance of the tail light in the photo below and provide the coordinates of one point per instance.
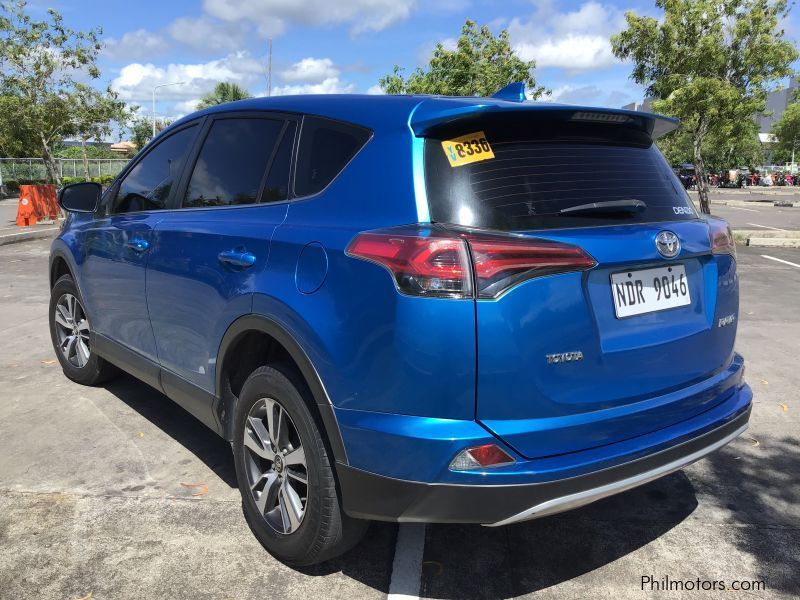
(502, 262)
(428, 261)
(423, 263)
(721, 237)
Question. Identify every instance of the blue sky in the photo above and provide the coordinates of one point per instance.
(324, 46)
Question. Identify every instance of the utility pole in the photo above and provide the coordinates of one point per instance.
(269, 70)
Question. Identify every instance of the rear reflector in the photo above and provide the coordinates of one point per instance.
(481, 457)
(433, 261)
(721, 237)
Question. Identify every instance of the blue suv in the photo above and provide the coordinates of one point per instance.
(410, 308)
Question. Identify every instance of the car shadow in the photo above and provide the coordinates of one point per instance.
(757, 481)
(369, 563)
(170, 418)
(483, 562)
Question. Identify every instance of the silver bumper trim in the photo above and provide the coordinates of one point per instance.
(564, 503)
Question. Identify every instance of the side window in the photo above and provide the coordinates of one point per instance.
(277, 185)
(148, 184)
(325, 149)
(231, 164)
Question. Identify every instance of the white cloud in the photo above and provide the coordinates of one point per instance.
(574, 40)
(136, 80)
(332, 85)
(574, 52)
(205, 34)
(311, 70)
(186, 106)
(375, 90)
(272, 16)
(425, 50)
(591, 95)
(135, 44)
(574, 94)
(450, 43)
(229, 25)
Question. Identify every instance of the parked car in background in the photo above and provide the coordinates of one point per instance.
(403, 308)
(686, 175)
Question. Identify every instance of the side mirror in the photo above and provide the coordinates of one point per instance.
(80, 197)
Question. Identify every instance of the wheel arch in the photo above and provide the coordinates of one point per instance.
(281, 346)
(60, 265)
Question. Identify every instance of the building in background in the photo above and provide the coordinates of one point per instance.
(124, 148)
(777, 102)
(645, 106)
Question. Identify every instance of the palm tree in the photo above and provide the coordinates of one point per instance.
(223, 92)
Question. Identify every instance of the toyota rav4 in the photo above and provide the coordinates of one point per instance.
(410, 308)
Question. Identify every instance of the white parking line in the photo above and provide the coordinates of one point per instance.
(740, 208)
(780, 260)
(407, 565)
(766, 227)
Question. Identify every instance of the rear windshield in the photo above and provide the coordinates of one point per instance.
(522, 177)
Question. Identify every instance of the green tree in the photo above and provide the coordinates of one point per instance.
(480, 65)
(40, 62)
(16, 140)
(710, 63)
(733, 147)
(787, 130)
(142, 130)
(75, 152)
(224, 92)
(722, 150)
(93, 116)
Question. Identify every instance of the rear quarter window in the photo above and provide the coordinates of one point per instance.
(540, 169)
(325, 148)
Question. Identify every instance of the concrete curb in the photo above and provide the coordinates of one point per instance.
(774, 233)
(763, 242)
(752, 203)
(24, 236)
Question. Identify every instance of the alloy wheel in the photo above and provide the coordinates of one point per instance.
(72, 329)
(276, 468)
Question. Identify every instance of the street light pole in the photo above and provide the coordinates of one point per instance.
(269, 70)
(154, 100)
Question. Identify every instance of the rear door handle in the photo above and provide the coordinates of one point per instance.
(238, 258)
(138, 244)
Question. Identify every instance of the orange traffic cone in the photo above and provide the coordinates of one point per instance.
(26, 213)
(43, 199)
(48, 192)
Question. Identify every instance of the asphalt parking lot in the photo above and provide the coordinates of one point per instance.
(115, 492)
(759, 216)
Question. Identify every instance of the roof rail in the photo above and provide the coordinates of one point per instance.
(513, 92)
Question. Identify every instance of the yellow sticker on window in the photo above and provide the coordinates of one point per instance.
(467, 149)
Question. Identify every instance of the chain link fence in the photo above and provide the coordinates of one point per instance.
(33, 169)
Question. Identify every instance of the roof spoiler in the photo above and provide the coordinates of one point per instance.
(513, 92)
(439, 112)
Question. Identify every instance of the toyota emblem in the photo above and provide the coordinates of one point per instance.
(668, 244)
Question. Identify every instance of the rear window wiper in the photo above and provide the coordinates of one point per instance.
(629, 206)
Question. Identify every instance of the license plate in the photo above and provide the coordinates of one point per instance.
(649, 290)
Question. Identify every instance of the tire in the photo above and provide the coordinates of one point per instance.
(77, 360)
(277, 398)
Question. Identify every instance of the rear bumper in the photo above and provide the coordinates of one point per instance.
(370, 496)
